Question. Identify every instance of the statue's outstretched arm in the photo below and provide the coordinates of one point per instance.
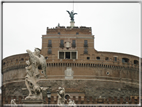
(74, 13)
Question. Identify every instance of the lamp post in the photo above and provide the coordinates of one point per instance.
(48, 95)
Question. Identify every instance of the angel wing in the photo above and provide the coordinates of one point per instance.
(43, 65)
(69, 13)
(40, 61)
(33, 58)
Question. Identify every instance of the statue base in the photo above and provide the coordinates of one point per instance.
(72, 24)
(28, 103)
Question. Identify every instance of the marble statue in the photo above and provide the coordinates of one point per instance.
(35, 62)
(61, 96)
(13, 104)
(71, 103)
(71, 15)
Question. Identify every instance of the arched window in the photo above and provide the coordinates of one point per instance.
(88, 58)
(106, 58)
(125, 60)
(136, 62)
(98, 58)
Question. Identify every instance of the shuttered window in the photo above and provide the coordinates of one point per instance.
(49, 43)
(61, 43)
(49, 51)
(85, 51)
(85, 43)
(73, 43)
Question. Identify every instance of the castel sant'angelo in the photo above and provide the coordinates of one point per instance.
(88, 75)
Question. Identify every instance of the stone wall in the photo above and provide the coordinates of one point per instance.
(94, 88)
(81, 71)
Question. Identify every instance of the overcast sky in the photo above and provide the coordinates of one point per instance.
(116, 26)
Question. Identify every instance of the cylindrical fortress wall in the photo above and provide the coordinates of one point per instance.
(104, 76)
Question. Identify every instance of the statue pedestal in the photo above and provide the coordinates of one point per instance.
(32, 103)
(72, 24)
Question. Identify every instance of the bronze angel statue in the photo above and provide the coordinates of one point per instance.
(35, 63)
(71, 15)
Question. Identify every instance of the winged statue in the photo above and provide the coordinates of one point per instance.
(35, 63)
(71, 14)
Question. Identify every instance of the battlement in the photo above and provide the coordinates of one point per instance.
(68, 30)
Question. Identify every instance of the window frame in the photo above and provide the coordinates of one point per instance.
(49, 43)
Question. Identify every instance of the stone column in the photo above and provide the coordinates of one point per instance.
(58, 55)
(64, 55)
(76, 54)
(70, 55)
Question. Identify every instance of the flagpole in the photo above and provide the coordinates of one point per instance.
(73, 5)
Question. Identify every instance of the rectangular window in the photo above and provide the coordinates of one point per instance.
(61, 55)
(85, 51)
(73, 55)
(115, 58)
(98, 58)
(73, 43)
(61, 43)
(67, 56)
(85, 43)
(49, 43)
(49, 51)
